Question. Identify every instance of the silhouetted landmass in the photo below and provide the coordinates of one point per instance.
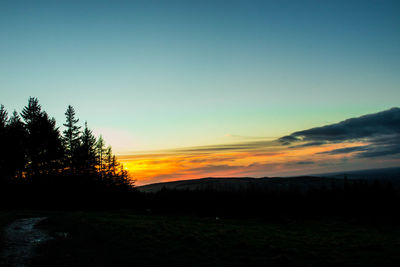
(243, 184)
(40, 167)
(382, 174)
(324, 220)
(304, 183)
(280, 198)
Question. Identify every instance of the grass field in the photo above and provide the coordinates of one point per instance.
(129, 239)
(124, 238)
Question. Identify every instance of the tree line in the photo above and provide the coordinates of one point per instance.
(361, 200)
(36, 156)
(43, 167)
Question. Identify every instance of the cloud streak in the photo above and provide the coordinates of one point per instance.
(380, 130)
(382, 123)
(368, 141)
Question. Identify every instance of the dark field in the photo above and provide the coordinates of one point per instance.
(129, 239)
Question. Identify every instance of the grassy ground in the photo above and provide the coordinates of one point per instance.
(128, 239)
(5, 218)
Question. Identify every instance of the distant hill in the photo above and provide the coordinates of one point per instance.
(277, 183)
(242, 184)
(369, 174)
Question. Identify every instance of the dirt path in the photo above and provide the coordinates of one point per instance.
(21, 239)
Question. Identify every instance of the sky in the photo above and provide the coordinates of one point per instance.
(165, 81)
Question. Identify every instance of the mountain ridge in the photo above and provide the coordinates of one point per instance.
(303, 182)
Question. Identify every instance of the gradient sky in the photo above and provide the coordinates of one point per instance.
(166, 75)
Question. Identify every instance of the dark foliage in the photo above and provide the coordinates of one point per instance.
(356, 199)
(40, 168)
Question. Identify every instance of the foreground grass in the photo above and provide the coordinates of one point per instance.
(5, 218)
(127, 239)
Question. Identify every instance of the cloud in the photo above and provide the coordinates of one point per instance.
(382, 123)
(345, 150)
(246, 137)
(287, 140)
(380, 131)
(213, 159)
(306, 162)
(368, 151)
(379, 151)
(215, 168)
(251, 145)
(318, 143)
(372, 140)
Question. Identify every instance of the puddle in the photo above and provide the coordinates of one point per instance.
(21, 238)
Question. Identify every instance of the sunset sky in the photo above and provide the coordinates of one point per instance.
(189, 89)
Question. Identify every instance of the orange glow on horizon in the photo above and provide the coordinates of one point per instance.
(162, 167)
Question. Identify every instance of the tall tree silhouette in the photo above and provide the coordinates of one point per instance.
(71, 138)
(3, 117)
(12, 140)
(44, 145)
(113, 172)
(86, 152)
(108, 159)
(16, 142)
(101, 151)
(3, 142)
(34, 152)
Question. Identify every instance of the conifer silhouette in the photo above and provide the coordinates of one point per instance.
(44, 145)
(86, 152)
(71, 139)
(3, 142)
(16, 146)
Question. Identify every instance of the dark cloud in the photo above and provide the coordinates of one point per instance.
(318, 143)
(368, 151)
(345, 150)
(386, 139)
(379, 151)
(380, 130)
(382, 123)
(287, 140)
(306, 162)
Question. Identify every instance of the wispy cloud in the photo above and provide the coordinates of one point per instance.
(371, 141)
(248, 145)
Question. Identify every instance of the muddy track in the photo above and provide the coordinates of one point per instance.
(21, 239)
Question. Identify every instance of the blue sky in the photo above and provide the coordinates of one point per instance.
(152, 75)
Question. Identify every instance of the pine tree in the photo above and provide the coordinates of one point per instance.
(3, 117)
(32, 112)
(3, 143)
(101, 151)
(86, 152)
(71, 138)
(121, 177)
(44, 145)
(115, 174)
(108, 159)
(16, 142)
